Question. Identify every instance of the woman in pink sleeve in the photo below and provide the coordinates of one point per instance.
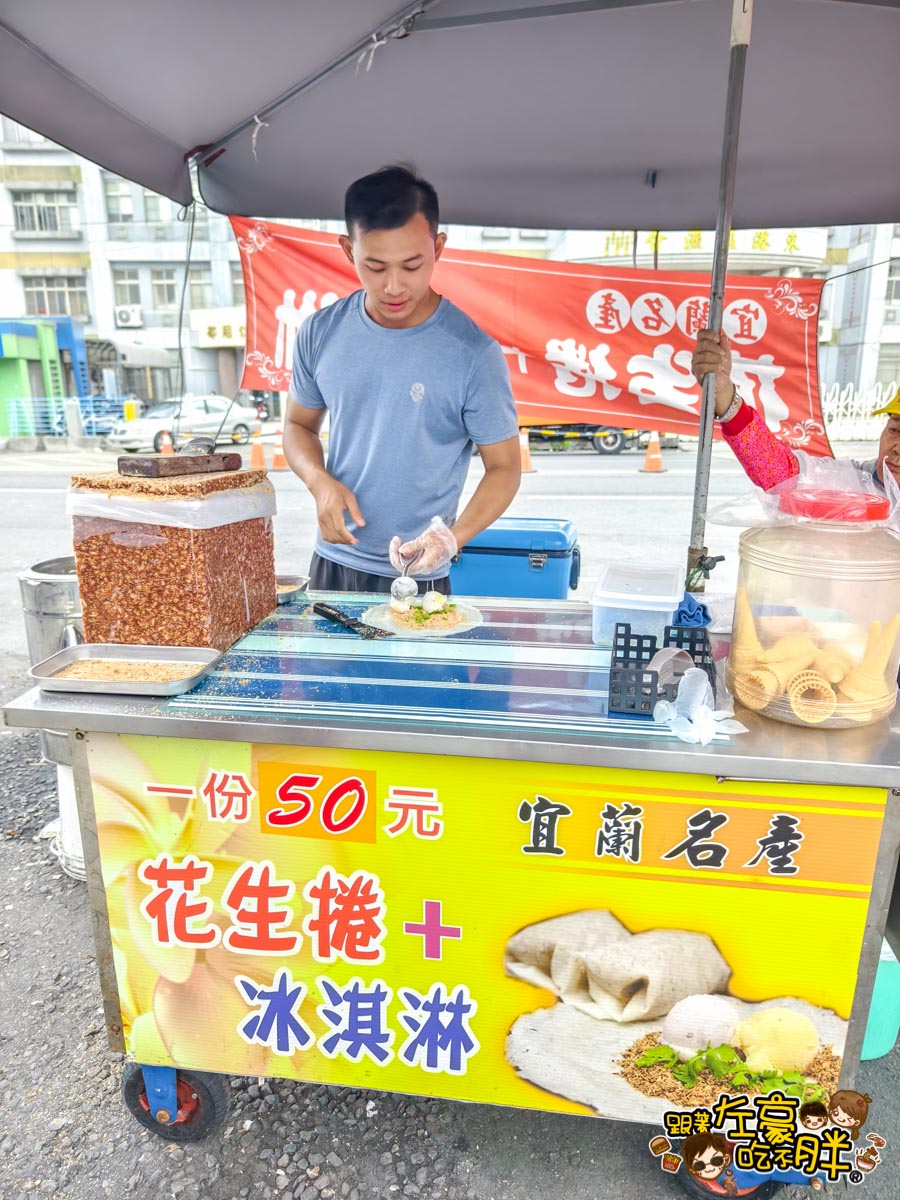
(767, 461)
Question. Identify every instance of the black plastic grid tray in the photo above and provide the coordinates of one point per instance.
(635, 691)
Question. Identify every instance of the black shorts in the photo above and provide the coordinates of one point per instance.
(328, 576)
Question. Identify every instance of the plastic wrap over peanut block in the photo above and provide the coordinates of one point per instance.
(185, 561)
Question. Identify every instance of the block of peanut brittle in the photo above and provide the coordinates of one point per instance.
(184, 561)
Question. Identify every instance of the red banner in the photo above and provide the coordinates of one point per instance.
(584, 343)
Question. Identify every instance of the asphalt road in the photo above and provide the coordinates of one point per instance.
(63, 1128)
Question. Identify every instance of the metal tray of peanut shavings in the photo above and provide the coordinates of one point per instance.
(289, 587)
(202, 658)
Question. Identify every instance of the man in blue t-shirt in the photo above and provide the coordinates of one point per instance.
(410, 384)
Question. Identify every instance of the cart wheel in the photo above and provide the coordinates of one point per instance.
(696, 1187)
(203, 1104)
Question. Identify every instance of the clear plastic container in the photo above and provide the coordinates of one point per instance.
(643, 595)
(816, 630)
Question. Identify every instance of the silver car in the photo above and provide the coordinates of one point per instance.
(199, 414)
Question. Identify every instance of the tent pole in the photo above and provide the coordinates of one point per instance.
(742, 12)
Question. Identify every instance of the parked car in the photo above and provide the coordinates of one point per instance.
(199, 414)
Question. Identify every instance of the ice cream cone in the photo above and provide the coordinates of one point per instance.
(794, 646)
(811, 697)
(833, 662)
(756, 689)
(745, 645)
(785, 671)
(867, 681)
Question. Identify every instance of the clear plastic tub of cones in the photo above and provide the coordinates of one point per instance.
(816, 631)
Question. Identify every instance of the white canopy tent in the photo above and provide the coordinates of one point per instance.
(522, 113)
(579, 114)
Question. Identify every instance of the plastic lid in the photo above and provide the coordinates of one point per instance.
(819, 504)
(640, 585)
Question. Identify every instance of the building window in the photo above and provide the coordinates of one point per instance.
(534, 235)
(161, 383)
(201, 222)
(893, 285)
(888, 370)
(153, 206)
(126, 285)
(237, 285)
(495, 233)
(19, 135)
(164, 285)
(45, 212)
(55, 296)
(201, 287)
(119, 202)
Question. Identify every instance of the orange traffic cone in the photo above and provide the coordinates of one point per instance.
(653, 457)
(166, 440)
(257, 454)
(525, 453)
(279, 462)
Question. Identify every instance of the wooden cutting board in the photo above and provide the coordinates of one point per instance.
(163, 466)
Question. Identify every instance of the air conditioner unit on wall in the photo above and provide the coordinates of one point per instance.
(129, 316)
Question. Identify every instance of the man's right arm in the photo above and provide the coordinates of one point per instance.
(306, 458)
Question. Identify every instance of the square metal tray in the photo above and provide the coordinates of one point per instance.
(299, 584)
(43, 673)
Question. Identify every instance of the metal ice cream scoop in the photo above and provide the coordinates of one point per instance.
(404, 588)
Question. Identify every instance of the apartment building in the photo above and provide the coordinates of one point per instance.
(78, 241)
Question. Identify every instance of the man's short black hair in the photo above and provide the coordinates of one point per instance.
(389, 198)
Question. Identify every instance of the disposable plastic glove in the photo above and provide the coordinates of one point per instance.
(436, 547)
(691, 718)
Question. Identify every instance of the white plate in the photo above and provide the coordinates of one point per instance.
(382, 617)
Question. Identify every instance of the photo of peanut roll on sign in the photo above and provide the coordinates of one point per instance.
(646, 1021)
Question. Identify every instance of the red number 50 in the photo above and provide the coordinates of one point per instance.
(349, 795)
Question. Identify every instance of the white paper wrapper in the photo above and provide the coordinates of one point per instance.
(382, 617)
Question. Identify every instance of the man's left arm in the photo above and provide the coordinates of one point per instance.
(495, 492)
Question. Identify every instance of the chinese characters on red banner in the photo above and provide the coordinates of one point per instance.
(584, 343)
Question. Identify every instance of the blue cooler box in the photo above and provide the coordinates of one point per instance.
(519, 556)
